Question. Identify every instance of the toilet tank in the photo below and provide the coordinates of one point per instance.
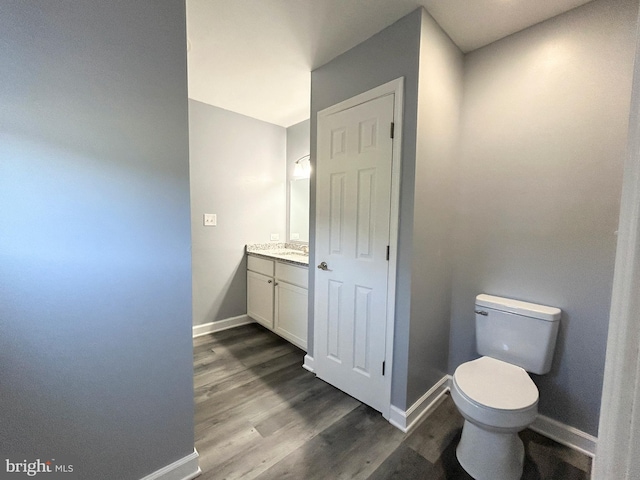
(520, 333)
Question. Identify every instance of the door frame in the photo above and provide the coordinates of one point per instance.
(395, 87)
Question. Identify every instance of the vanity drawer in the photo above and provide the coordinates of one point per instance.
(260, 265)
(292, 274)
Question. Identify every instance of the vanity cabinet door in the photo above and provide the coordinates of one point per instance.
(260, 298)
(291, 313)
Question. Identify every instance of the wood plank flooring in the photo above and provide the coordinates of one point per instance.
(260, 415)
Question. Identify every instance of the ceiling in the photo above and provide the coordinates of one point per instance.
(254, 57)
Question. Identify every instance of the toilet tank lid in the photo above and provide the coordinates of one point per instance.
(550, 314)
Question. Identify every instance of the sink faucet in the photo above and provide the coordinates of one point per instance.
(305, 249)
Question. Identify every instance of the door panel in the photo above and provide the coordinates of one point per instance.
(353, 178)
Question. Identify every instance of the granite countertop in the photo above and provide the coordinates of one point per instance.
(292, 253)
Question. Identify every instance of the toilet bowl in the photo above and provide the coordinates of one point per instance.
(497, 400)
(494, 393)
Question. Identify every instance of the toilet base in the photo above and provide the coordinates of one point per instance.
(487, 455)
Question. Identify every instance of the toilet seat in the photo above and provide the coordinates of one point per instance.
(496, 384)
(494, 393)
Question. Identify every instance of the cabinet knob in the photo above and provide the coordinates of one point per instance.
(269, 281)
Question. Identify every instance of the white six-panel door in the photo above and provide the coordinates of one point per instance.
(353, 188)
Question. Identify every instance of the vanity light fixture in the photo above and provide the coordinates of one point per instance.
(302, 168)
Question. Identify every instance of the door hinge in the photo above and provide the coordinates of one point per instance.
(388, 252)
(393, 125)
(383, 367)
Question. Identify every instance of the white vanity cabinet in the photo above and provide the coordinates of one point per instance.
(277, 297)
(291, 301)
(260, 289)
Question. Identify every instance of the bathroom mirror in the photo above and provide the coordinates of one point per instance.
(299, 210)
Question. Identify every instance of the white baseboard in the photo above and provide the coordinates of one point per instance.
(309, 363)
(184, 469)
(212, 327)
(566, 435)
(405, 421)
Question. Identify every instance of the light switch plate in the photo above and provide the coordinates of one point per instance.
(210, 220)
(275, 236)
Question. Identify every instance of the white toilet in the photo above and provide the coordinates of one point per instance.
(494, 393)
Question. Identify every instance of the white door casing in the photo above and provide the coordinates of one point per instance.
(357, 190)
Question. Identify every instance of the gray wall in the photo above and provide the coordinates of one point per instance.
(414, 47)
(95, 268)
(238, 172)
(390, 54)
(439, 101)
(544, 130)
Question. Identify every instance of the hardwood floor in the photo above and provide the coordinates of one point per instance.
(260, 415)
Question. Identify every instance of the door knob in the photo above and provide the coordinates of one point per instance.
(323, 266)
